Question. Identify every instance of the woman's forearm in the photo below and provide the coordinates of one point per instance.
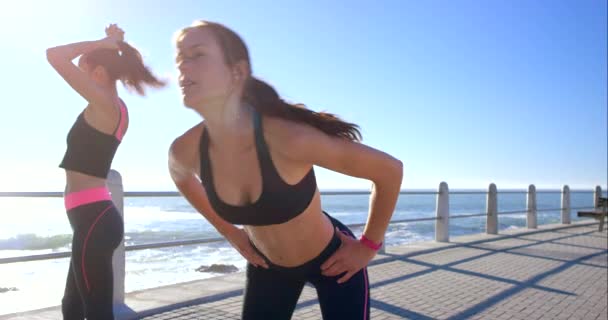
(71, 51)
(383, 200)
(194, 192)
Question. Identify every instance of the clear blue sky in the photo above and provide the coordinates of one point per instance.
(468, 92)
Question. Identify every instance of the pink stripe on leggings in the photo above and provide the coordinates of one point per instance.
(84, 247)
(79, 198)
(366, 295)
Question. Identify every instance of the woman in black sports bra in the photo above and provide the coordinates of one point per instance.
(91, 145)
(254, 155)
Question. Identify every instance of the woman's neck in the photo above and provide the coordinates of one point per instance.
(230, 125)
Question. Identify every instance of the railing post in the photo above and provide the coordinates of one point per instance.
(531, 217)
(566, 205)
(596, 196)
(596, 204)
(442, 224)
(114, 183)
(492, 210)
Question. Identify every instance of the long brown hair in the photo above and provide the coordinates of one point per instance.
(126, 65)
(263, 97)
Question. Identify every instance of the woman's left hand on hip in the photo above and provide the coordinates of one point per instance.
(351, 257)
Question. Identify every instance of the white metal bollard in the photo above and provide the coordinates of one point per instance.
(492, 210)
(442, 224)
(531, 216)
(596, 196)
(566, 205)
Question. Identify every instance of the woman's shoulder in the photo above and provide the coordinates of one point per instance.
(191, 135)
(285, 129)
(288, 136)
(185, 145)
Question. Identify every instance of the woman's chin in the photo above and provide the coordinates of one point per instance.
(188, 101)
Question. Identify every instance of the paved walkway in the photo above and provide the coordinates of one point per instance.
(555, 272)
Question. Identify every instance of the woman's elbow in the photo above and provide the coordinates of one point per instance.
(397, 169)
(54, 56)
(390, 176)
(51, 56)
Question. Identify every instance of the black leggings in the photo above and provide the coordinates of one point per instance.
(98, 230)
(273, 293)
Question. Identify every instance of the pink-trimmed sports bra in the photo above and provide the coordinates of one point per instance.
(91, 151)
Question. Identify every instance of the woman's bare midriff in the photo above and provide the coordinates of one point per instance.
(76, 181)
(296, 241)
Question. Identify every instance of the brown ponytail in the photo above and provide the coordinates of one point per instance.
(126, 65)
(134, 74)
(262, 96)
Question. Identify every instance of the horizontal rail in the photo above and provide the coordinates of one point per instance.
(143, 194)
(464, 192)
(512, 212)
(548, 209)
(156, 245)
(139, 194)
(173, 243)
(357, 225)
(159, 194)
(36, 257)
(53, 194)
(468, 215)
(415, 220)
(58, 255)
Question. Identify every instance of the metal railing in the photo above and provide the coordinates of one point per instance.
(441, 218)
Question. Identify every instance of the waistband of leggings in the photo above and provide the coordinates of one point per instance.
(331, 247)
(82, 197)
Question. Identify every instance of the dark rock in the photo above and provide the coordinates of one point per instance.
(218, 268)
(3, 290)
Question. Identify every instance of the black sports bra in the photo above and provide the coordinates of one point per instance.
(279, 201)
